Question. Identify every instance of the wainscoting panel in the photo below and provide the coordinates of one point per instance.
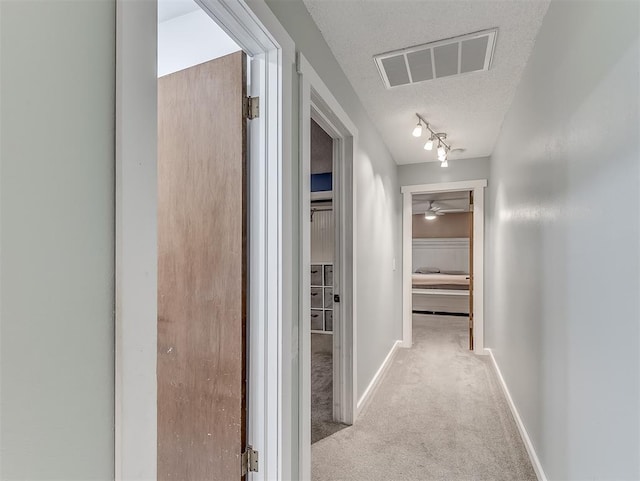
(451, 254)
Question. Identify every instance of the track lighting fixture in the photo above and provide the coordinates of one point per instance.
(417, 132)
(443, 147)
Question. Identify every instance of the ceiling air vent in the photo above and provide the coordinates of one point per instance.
(444, 58)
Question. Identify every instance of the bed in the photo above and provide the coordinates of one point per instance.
(440, 292)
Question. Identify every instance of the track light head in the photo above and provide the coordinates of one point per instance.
(444, 163)
(429, 144)
(417, 132)
(442, 152)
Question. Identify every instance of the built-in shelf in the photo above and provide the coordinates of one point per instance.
(322, 298)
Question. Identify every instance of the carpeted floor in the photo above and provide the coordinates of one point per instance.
(322, 424)
(438, 415)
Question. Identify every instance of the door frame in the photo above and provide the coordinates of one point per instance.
(317, 103)
(477, 186)
(261, 36)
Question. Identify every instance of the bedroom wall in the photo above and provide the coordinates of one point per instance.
(190, 39)
(57, 88)
(564, 264)
(449, 225)
(432, 173)
(321, 150)
(377, 199)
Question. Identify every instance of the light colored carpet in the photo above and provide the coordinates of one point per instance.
(438, 415)
(322, 423)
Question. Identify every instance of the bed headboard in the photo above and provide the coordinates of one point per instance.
(450, 254)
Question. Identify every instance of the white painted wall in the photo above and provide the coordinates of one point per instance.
(563, 313)
(432, 173)
(378, 202)
(57, 63)
(190, 39)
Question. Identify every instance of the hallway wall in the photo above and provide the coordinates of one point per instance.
(564, 258)
(57, 64)
(432, 173)
(378, 202)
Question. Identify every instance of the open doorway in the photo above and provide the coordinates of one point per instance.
(442, 260)
(324, 230)
(456, 246)
(203, 247)
(325, 127)
(267, 48)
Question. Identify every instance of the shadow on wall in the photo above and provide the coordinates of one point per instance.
(564, 224)
(377, 234)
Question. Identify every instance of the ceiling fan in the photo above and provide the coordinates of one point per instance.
(435, 209)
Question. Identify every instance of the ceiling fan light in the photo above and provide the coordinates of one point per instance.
(417, 132)
(430, 215)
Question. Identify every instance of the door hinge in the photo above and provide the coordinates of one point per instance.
(249, 461)
(251, 107)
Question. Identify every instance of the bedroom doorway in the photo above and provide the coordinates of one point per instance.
(172, 187)
(327, 400)
(324, 231)
(443, 231)
(442, 241)
(203, 247)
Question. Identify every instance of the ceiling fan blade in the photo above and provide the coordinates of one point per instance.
(451, 211)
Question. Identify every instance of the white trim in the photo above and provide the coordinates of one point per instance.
(318, 102)
(533, 456)
(441, 292)
(443, 187)
(407, 266)
(379, 375)
(478, 255)
(441, 242)
(136, 249)
(258, 32)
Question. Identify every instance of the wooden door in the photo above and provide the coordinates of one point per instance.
(202, 269)
(471, 270)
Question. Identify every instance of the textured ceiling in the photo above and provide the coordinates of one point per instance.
(469, 108)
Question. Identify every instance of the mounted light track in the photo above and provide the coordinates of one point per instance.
(443, 146)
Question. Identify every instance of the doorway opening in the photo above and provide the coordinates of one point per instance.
(147, 264)
(327, 305)
(443, 256)
(324, 231)
(203, 244)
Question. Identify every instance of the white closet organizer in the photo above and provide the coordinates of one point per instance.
(322, 298)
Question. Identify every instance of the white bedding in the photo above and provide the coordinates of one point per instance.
(429, 280)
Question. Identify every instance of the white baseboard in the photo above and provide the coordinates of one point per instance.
(537, 467)
(377, 377)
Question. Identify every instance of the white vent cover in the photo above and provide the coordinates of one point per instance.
(454, 56)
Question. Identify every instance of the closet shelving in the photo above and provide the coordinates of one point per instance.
(322, 298)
